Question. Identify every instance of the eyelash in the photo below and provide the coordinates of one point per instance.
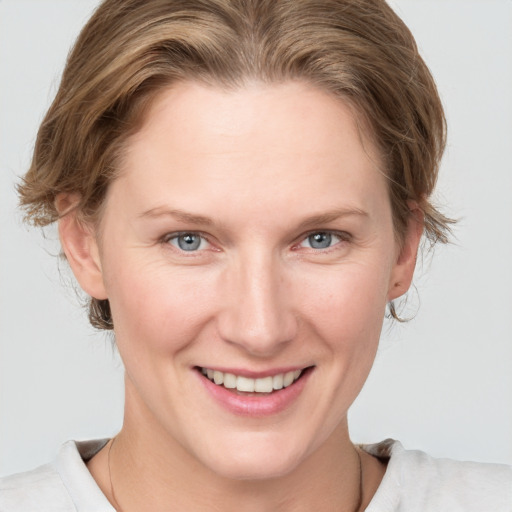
(167, 239)
(342, 236)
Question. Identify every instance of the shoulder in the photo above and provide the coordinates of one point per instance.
(65, 485)
(33, 490)
(417, 481)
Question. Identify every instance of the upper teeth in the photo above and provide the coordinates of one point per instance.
(261, 385)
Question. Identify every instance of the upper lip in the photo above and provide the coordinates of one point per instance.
(253, 374)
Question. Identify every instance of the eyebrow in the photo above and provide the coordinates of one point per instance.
(331, 216)
(191, 218)
(309, 222)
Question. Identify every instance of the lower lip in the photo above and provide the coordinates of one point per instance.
(256, 405)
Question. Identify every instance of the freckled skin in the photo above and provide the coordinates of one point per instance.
(248, 168)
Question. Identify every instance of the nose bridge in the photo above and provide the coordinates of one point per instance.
(258, 313)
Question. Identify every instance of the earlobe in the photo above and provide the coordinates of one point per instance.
(80, 246)
(403, 270)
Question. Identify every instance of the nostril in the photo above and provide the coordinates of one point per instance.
(259, 334)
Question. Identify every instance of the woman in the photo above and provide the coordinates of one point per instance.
(241, 189)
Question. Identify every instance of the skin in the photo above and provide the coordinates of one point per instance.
(256, 171)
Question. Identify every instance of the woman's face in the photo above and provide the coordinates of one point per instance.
(249, 234)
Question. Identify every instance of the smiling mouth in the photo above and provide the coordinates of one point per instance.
(242, 385)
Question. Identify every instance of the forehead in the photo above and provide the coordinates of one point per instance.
(229, 118)
(261, 143)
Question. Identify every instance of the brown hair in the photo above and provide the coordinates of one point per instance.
(129, 50)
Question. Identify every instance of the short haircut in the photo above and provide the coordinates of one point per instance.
(358, 50)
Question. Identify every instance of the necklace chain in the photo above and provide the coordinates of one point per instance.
(116, 504)
(360, 499)
(119, 509)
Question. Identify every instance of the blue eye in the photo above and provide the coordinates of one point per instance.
(188, 241)
(320, 240)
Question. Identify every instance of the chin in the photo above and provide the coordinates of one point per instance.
(251, 455)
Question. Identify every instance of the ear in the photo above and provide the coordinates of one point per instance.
(78, 240)
(403, 271)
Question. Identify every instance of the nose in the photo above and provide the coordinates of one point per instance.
(257, 314)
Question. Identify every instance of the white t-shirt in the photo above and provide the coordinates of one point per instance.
(414, 482)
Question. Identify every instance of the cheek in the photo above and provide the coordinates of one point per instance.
(343, 312)
(346, 306)
(156, 307)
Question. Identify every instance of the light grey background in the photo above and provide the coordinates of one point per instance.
(442, 383)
